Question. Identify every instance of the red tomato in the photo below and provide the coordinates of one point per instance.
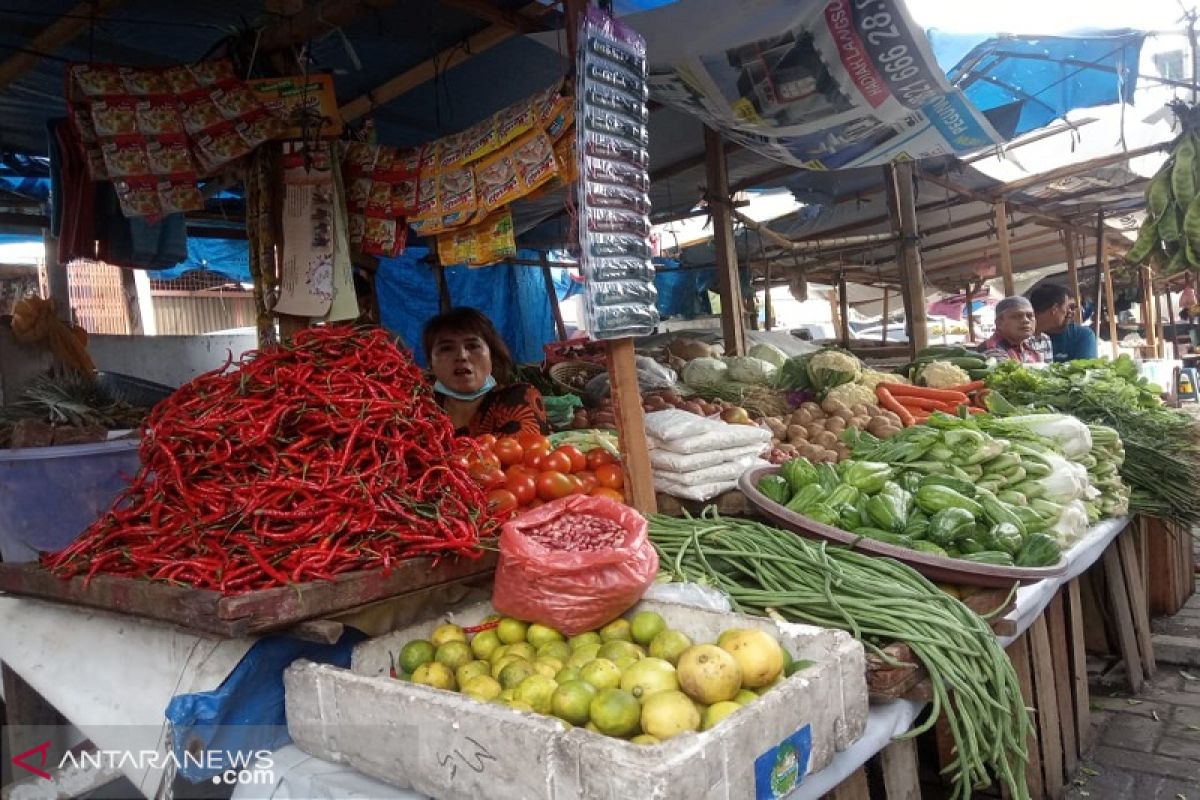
(501, 502)
(578, 459)
(610, 476)
(523, 485)
(557, 462)
(520, 469)
(611, 494)
(552, 485)
(598, 457)
(577, 484)
(487, 458)
(529, 439)
(588, 480)
(486, 475)
(534, 457)
(509, 451)
(487, 440)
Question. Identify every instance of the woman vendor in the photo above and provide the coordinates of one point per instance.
(475, 381)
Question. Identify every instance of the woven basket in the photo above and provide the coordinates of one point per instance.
(572, 376)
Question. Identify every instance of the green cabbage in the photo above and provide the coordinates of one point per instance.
(705, 373)
(769, 353)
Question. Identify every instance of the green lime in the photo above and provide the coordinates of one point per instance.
(484, 643)
(482, 687)
(579, 640)
(572, 700)
(523, 649)
(470, 670)
(514, 673)
(511, 630)
(645, 738)
(669, 645)
(453, 654)
(717, 712)
(538, 635)
(556, 649)
(601, 673)
(619, 648)
(617, 629)
(744, 697)
(537, 691)
(447, 633)
(414, 654)
(566, 675)
(616, 712)
(583, 655)
(645, 626)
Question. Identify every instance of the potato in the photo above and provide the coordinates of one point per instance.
(843, 452)
(835, 425)
(692, 407)
(845, 414)
(860, 422)
(858, 410)
(827, 457)
(826, 439)
(809, 451)
(788, 449)
(876, 425)
(888, 432)
(796, 432)
(776, 426)
(815, 429)
(813, 409)
(669, 397)
(832, 407)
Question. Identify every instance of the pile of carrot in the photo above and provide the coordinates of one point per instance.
(914, 404)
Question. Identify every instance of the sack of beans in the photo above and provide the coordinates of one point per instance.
(574, 564)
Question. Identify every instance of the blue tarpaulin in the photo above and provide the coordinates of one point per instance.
(230, 257)
(1026, 82)
(513, 297)
(682, 292)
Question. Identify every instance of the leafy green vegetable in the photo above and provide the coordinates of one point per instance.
(775, 488)
(799, 472)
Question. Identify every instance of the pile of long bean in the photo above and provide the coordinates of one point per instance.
(767, 571)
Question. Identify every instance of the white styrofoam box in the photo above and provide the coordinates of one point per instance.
(446, 745)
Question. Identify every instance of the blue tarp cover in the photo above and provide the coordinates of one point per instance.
(230, 257)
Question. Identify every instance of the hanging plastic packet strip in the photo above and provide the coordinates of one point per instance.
(603, 170)
(619, 102)
(617, 52)
(613, 293)
(604, 245)
(601, 120)
(608, 220)
(632, 319)
(617, 78)
(621, 269)
(602, 145)
(610, 195)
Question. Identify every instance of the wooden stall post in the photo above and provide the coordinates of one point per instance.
(560, 327)
(1171, 319)
(1148, 304)
(1101, 246)
(902, 203)
(733, 323)
(768, 309)
(1000, 210)
(970, 315)
(1109, 300)
(56, 278)
(1073, 274)
(631, 426)
(843, 310)
(886, 298)
(1159, 330)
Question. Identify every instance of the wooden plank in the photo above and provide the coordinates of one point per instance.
(1006, 268)
(560, 327)
(1080, 693)
(902, 201)
(887, 296)
(48, 41)
(1046, 718)
(1118, 596)
(631, 426)
(490, 11)
(1064, 692)
(1136, 591)
(1109, 299)
(729, 285)
(1052, 175)
(844, 310)
(901, 778)
(1018, 654)
(855, 787)
(1073, 274)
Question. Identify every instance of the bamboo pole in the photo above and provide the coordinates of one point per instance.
(733, 323)
(1006, 267)
(970, 315)
(1073, 274)
(886, 298)
(1171, 319)
(902, 202)
(844, 311)
(768, 309)
(1109, 300)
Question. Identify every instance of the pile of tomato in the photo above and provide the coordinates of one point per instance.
(524, 471)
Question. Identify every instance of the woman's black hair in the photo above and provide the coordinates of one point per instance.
(471, 321)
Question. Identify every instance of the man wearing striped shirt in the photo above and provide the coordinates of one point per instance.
(1016, 336)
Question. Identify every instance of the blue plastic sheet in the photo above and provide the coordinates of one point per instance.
(1025, 82)
(246, 712)
(230, 257)
(683, 292)
(513, 297)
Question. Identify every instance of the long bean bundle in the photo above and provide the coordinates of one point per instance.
(765, 570)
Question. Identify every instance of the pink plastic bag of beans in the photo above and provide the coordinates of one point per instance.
(574, 564)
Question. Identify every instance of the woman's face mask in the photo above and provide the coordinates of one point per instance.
(462, 363)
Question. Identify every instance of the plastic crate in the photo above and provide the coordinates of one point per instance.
(49, 495)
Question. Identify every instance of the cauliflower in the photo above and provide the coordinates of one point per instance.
(831, 367)
(851, 394)
(872, 378)
(943, 375)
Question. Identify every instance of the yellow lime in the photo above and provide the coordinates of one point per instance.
(648, 677)
(557, 663)
(571, 701)
(506, 695)
(617, 629)
(668, 714)
(645, 626)
(591, 726)
(434, 674)
(625, 662)
(484, 643)
(580, 639)
(519, 705)
(548, 670)
(537, 691)
(645, 738)
(447, 633)
(414, 654)
(538, 635)
(511, 630)
(728, 634)
(717, 712)
(453, 654)
(669, 645)
(523, 649)
(757, 653)
(583, 655)
(744, 697)
(556, 649)
(709, 674)
(618, 648)
(470, 670)
(514, 673)
(567, 674)
(498, 653)
(481, 687)
(616, 713)
(601, 673)
(499, 666)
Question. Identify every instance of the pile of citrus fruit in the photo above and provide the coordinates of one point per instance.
(524, 471)
(633, 679)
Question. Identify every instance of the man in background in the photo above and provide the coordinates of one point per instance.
(1016, 336)
(1054, 309)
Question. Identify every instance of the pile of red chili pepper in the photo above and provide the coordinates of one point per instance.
(316, 458)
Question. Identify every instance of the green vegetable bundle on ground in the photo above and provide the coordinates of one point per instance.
(776, 573)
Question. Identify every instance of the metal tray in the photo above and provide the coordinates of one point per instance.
(937, 568)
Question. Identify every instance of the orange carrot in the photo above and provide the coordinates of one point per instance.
(967, 388)
(925, 404)
(945, 395)
(888, 402)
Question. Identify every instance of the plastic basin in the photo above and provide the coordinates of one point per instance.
(49, 495)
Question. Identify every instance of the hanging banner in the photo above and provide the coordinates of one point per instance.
(845, 83)
(307, 265)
